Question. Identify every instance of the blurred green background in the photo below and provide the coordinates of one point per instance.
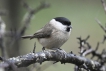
(81, 13)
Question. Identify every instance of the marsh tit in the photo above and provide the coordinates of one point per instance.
(54, 34)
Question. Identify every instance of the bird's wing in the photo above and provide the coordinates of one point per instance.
(43, 32)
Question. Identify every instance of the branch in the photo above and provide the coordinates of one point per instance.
(31, 13)
(104, 5)
(93, 52)
(103, 28)
(82, 42)
(52, 55)
(2, 33)
(28, 18)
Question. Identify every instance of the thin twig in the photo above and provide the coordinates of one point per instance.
(34, 47)
(104, 5)
(103, 28)
(82, 42)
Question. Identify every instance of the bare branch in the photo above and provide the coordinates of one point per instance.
(82, 42)
(28, 18)
(103, 28)
(93, 52)
(52, 55)
(97, 46)
(104, 5)
(31, 12)
(34, 47)
(2, 33)
(103, 40)
(12, 65)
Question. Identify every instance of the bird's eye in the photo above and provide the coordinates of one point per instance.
(68, 29)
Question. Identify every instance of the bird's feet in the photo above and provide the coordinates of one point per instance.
(59, 48)
(43, 49)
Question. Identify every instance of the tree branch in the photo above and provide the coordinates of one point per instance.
(104, 5)
(30, 13)
(2, 42)
(52, 55)
(103, 28)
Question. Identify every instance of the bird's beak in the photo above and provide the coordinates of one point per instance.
(70, 27)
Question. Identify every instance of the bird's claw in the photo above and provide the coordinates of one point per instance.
(43, 49)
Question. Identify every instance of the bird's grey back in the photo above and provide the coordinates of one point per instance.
(44, 32)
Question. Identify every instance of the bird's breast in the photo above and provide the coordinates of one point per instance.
(56, 40)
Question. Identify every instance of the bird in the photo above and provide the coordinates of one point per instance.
(54, 34)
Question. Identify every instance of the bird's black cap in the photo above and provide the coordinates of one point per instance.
(63, 20)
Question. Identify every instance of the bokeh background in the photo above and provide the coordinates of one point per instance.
(81, 13)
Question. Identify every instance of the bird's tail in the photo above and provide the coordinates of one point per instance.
(27, 36)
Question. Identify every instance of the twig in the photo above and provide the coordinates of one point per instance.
(104, 39)
(104, 5)
(34, 47)
(103, 28)
(93, 52)
(76, 68)
(103, 54)
(82, 42)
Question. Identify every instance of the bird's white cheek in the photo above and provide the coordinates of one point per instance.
(61, 27)
(57, 25)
